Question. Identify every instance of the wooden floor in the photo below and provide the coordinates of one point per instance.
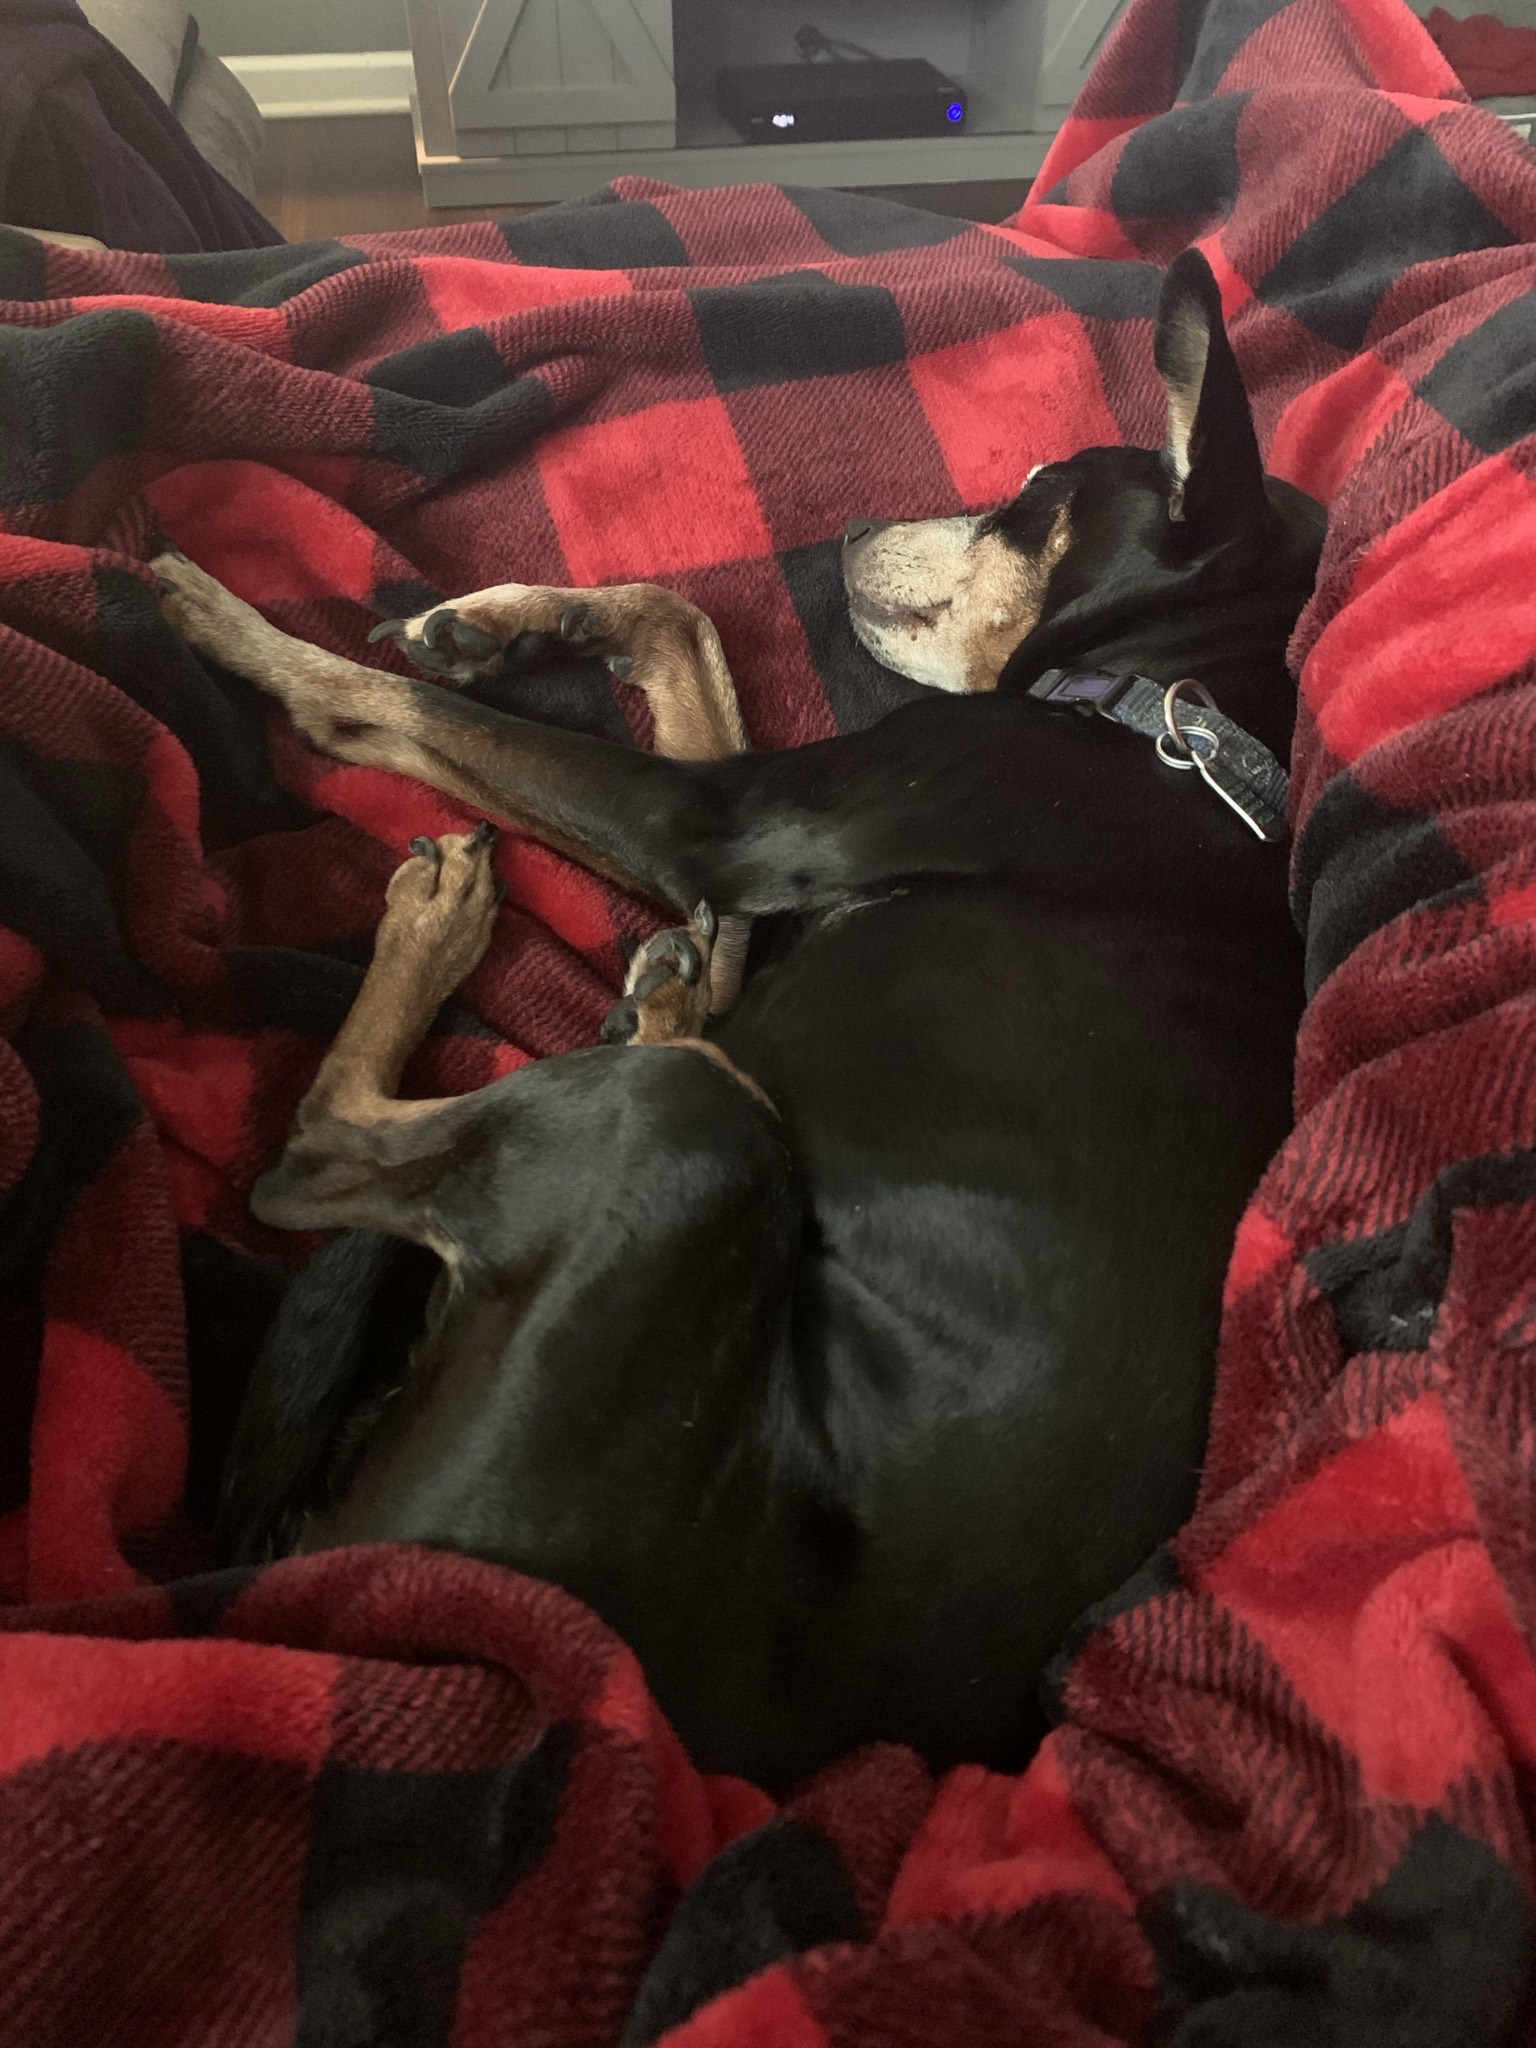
(358, 176)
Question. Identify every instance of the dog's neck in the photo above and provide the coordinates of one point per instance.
(1231, 637)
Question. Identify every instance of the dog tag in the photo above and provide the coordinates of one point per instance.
(1187, 734)
(1252, 802)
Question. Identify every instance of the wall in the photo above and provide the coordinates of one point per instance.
(259, 28)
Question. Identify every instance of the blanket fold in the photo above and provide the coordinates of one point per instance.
(385, 1796)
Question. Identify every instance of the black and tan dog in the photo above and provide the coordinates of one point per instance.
(840, 1349)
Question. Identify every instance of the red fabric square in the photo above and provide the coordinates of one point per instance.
(651, 493)
(830, 449)
(999, 405)
(466, 293)
(271, 539)
(1323, 433)
(1400, 651)
(1369, 1587)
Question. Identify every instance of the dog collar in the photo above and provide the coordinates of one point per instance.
(1188, 732)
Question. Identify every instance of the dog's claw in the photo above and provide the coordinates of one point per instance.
(427, 849)
(652, 979)
(622, 666)
(387, 629)
(574, 621)
(620, 1024)
(706, 923)
(484, 834)
(444, 640)
(673, 952)
(435, 627)
(472, 642)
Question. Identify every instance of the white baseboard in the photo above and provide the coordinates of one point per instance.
(331, 83)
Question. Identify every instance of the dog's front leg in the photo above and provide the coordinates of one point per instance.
(648, 636)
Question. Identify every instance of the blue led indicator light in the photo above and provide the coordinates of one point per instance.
(955, 111)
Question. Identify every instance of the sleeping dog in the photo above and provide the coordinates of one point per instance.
(845, 1326)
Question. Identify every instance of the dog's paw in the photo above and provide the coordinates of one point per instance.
(666, 993)
(441, 905)
(211, 618)
(511, 623)
(442, 642)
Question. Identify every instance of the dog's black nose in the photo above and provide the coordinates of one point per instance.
(856, 529)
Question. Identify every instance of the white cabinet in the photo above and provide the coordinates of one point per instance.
(579, 70)
(528, 100)
(1074, 32)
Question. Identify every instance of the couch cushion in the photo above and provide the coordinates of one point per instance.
(152, 35)
(222, 119)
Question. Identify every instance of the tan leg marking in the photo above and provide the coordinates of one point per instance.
(351, 1134)
(656, 639)
(650, 637)
(667, 997)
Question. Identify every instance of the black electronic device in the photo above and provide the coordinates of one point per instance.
(876, 99)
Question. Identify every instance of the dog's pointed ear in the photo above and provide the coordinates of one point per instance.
(1212, 452)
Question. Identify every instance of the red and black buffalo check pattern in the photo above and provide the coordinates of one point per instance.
(382, 1797)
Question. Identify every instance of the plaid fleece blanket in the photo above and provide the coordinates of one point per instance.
(382, 1797)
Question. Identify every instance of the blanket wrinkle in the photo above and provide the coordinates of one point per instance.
(390, 1796)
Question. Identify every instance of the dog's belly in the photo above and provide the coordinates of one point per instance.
(1026, 1140)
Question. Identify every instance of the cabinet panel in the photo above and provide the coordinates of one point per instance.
(558, 64)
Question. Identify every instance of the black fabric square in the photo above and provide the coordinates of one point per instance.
(462, 369)
(1409, 208)
(23, 266)
(774, 1893)
(1485, 384)
(289, 988)
(219, 718)
(1098, 290)
(261, 277)
(64, 833)
(778, 330)
(440, 437)
(70, 397)
(1386, 1290)
(402, 1864)
(1210, 36)
(1438, 1956)
(199, 1605)
(1183, 165)
(1361, 863)
(601, 233)
(855, 225)
(88, 1105)
(858, 689)
(405, 598)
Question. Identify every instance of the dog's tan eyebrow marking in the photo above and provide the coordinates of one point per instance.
(1007, 592)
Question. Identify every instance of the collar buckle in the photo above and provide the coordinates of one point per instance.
(1238, 768)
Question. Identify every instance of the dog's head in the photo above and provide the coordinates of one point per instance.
(948, 602)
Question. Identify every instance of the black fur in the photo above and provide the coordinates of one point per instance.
(841, 1416)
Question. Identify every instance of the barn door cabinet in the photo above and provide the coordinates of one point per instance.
(519, 101)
